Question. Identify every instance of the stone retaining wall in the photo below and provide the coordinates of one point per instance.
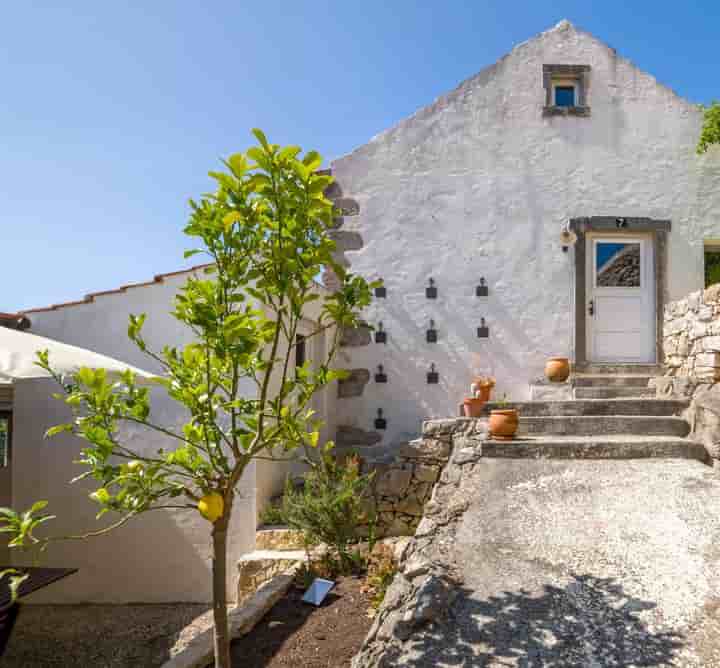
(402, 487)
(691, 344)
(427, 583)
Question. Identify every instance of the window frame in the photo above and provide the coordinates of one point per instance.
(7, 415)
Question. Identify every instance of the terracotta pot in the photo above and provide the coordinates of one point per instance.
(557, 369)
(504, 423)
(472, 407)
(485, 389)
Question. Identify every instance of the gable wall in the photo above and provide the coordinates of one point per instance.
(480, 184)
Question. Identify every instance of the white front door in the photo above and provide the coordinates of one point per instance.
(621, 299)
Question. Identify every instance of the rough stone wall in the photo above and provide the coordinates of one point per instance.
(479, 185)
(691, 342)
(402, 488)
(427, 583)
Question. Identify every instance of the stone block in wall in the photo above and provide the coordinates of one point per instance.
(681, 308)
(346, 240)
(353, 337)
(354, 384)
(710, 344)
(705, 418)
(698, 330)
(694, 301)
(347, 206)
(394, 481)
(349, 436)
(711, 295)
(705, 313)
(426, 473)
(433, 449)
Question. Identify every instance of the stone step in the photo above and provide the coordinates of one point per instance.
(648, 407)
(278, 538)
(595, 447)
(256, 568)
(605, 380)
(607, 425)
(613, 392)
(621, 369)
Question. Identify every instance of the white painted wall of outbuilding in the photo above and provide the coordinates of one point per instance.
(159, 556)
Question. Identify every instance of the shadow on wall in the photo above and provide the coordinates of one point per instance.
(589, 621)
(159, 556)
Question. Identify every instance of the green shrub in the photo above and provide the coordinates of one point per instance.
(711, 128)
(328, 508)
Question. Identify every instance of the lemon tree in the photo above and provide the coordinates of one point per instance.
(265, 232)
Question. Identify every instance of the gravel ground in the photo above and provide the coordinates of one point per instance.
(103, 636)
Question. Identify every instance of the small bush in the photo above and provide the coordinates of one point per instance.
(272, 514)
(380, 573)
(329, 509)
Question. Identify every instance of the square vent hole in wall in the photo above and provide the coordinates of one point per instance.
(566, 90)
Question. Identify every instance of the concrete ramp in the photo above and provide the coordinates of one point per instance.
(561, 563)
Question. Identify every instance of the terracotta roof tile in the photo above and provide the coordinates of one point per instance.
(90, 297)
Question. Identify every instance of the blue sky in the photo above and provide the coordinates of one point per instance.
(112, 113)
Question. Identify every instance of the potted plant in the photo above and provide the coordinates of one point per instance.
(504, 421)
(479, 395)
(557, 369)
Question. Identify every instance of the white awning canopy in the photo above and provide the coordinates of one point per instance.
(18, 354)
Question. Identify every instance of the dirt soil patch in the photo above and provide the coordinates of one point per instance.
(102, 636)
(298, 635)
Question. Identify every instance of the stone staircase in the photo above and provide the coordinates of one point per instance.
(277, 550)
(614, 415)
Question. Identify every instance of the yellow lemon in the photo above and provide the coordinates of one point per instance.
(134, 465)
(211, 506)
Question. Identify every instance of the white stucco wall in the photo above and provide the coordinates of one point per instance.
(157, 557)
(160, 556)
(479, 184)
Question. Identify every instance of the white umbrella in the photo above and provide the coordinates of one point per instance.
(18, 354)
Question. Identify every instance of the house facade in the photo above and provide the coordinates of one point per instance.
(160, 556)
(461, 210)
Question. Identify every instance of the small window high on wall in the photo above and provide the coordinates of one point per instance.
(712, 262)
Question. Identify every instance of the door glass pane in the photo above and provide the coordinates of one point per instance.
(617, 264)
(4, 442)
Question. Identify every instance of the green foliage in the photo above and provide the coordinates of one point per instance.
(328, 508)
(265, 234)
(381, 571)
(272, 514)
(711, 128)
(712, 268)
(21, 525)
(265, 231)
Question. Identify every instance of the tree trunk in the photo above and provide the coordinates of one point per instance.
(219, 574)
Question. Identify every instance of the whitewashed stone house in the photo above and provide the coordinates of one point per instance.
(471, 194)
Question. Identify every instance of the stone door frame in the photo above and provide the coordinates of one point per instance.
(658, 230)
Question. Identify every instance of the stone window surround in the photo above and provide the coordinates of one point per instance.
(658, 229)
(575, 75)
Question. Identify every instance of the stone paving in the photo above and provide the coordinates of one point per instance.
(558, 563)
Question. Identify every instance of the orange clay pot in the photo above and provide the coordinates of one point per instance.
(557, 369)
(472, 407)
(504, 423)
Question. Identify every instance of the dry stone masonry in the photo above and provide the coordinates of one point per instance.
(403, 486)
(691, 342)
